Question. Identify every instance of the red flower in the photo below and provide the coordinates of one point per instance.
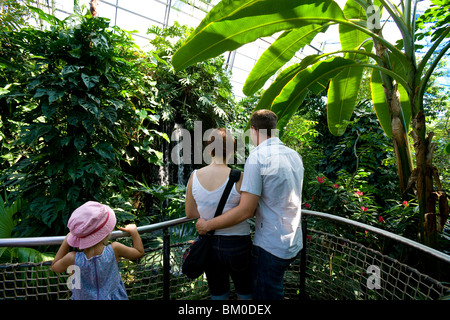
(307, 205)
(405, 203)
(335, 186)
(358, 193)
(320, 179)
(380, 219)
(364, 208)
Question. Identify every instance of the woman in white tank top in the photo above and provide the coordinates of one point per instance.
(231, 247)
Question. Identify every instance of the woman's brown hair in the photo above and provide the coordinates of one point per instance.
(223, 142)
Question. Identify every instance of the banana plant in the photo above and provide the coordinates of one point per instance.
(398, 78)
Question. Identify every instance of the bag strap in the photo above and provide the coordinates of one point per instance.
(234, 177)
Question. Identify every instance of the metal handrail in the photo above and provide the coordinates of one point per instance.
(387, 234)
(57, 240)
(166, 247)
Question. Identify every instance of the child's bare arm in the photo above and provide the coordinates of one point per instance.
(136, 252)
(63, 258)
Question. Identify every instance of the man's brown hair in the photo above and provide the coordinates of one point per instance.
(264, 119)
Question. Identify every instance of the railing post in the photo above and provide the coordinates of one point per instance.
(166, 264)
(166, 257)
(303, 259)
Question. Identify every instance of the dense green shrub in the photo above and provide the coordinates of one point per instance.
(202, 92)
(73, 94)
(88, 116)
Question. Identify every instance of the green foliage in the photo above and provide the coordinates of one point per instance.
(278, 54)
(352, 175)
(13, 14)
(73, 91)
(168, 204)
(7, 224)
(202, 92)
(231, 24)
(169, 200)
(397, 74)
(438, 16)
(362, 146)
(301, 134)
(351, 196)
(87, 112)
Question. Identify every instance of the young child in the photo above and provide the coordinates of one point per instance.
(90, 226)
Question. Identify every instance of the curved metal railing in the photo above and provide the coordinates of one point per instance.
(331, 266)
(416, 245)
(343, 265)
(57, 240)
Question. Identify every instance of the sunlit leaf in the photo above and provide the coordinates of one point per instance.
(278, 54)
(286, 94)
(241, 22)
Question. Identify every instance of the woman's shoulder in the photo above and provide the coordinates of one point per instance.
(211, 171)
(202, 170)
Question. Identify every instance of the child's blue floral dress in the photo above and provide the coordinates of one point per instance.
(99, 277)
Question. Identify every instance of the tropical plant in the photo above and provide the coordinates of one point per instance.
(363, 145)
(7, 224)
(202, 92)
(399, 75)
(73, 96)
(13, 14)
(168, 203)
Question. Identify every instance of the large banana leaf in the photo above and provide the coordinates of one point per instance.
(379, 102)
(351, 38)
(287, 92)
(344, 88)
(278, 54)
(283, 80)
(32, 255)
(341, 99)
(231, 23)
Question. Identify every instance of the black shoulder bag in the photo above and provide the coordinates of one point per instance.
(196, 257)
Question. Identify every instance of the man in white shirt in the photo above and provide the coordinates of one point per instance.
(272, 185)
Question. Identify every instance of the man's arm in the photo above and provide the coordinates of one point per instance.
(245, 210)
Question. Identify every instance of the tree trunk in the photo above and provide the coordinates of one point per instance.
(434, 208)
(93, 8)
(399, 140)
(421, 178)
(398, 125)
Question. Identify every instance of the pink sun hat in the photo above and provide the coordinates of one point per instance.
(89, 224)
